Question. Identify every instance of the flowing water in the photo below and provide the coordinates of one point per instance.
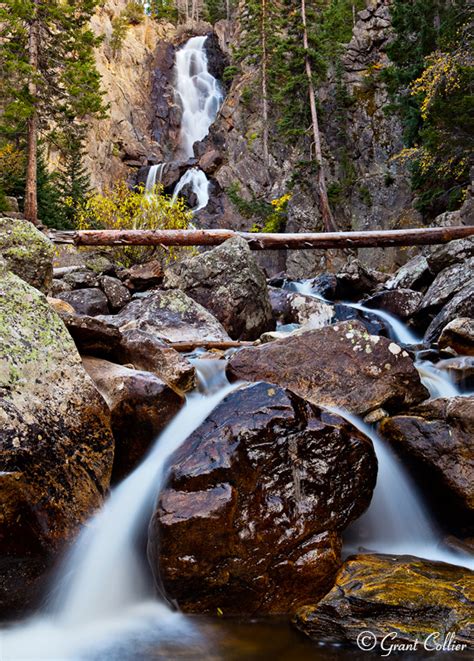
(200, 96)
(104, 587)
(198, 93)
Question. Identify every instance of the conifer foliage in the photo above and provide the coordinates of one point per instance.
(48, 75)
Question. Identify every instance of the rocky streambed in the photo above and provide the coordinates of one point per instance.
(259, 497)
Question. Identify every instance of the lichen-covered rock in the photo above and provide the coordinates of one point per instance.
(293, 308)
(447, 284)
(339, 365)
(251, 517)
(228, 282)
(401, 599)
(117, 294)
(402, 303)
(27, 252)
(90, 302)
(458, 336)
(438, 437)
(415, 274)
(451, 253)
(56, 445)
(141, 405)
(169, 315)
(80, 279)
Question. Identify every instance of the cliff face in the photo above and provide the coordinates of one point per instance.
(124, 141)
(369, 190)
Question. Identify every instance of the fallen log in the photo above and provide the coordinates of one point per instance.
(184, 347)
(260, 241)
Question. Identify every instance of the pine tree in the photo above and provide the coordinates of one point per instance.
(73, 181)
(48, 74)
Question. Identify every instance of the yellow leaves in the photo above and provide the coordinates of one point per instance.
(12, 163)
(121, 208)
(280, 203)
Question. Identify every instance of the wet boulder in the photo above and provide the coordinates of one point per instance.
(141, 405)
(415, 274)
(56, 444)
(293, 308)
(171, 316)
(80, 279)
(458, 337)
(141, 277)
(228, 282)
(339, 365)
(397, 600)
(437, 437)
(27, 252)
(402, 303)
(257, 496)
(460, 370)
(90, 302)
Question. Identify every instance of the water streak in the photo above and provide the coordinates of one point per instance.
(199, 184)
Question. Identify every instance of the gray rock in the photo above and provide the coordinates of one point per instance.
(117, 294)
(458, 336)
(81, 279)
(447, 284)
(27, 252)
(58, 286)
(402, 303)
(415, 274)
(169, 315)
(56, 446)
(90, 302)
(451, 253)
(228, 282)
(462, 305)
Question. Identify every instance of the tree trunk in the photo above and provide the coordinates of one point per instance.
(322, 240)
(264, 81)
(31, 194)
(328, 220)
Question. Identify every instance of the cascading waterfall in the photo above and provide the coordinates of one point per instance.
(397, 521)
(200, 97)
(198, 92)
(104, 587)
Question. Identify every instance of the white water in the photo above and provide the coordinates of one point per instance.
(397, 521)
(198, 92)
(199, 185)
(104, 589)
(155, 174)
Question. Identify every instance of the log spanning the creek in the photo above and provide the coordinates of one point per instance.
(261, 241)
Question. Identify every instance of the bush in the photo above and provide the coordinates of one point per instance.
(122, 209)
(134, 13)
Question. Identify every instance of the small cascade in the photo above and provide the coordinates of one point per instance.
(397, 521)
(399, 331)
(437, 381)
(199, 184)
(155, 175)
(104, 587)
(198, 92)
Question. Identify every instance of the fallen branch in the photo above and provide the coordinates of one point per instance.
(260, 241)
(184, 347)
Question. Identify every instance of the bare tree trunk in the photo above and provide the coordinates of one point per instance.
(328, 220)
(31, 196)
(264, 80)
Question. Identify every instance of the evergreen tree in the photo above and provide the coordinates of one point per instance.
(48, 74)
(73, 181)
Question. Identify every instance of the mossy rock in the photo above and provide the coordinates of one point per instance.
(56, 446)
(27, 252)
(399, 599)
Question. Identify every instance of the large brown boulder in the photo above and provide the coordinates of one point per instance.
(169, 315)
(438, 437)
(250, 520)
(458, 336)
(340, 365)
(227, 281)
(141, 405)
(381, 600)
(56, 445)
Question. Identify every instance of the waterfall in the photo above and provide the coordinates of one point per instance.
(199, 184)
(397, 521)
(198, 92)
(104, 587)
(155, 174)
